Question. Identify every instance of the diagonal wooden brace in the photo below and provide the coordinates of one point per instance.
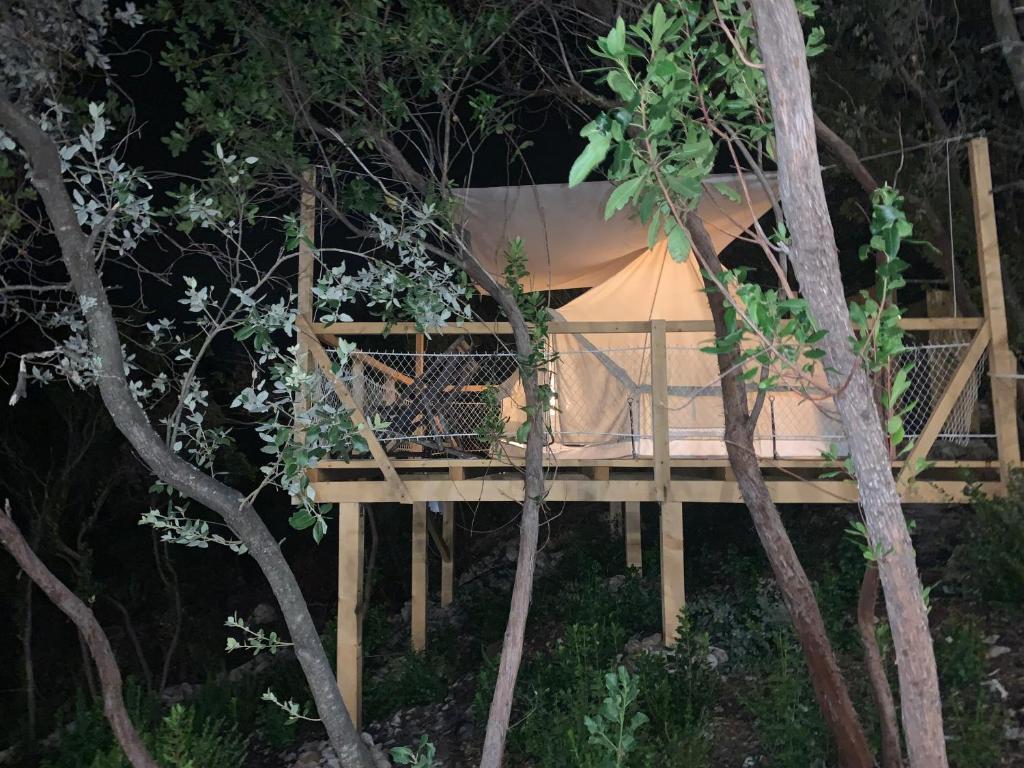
(305, 328)
(941, 412)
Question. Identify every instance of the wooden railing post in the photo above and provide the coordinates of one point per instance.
(1002, 363)
(418, 604)
(659, 409)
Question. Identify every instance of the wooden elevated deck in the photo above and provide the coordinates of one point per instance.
(624, 483)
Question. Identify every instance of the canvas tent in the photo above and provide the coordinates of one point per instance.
(602, 382)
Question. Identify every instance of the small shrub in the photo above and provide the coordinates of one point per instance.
(990, 560)
(614, 727)
(421, 756)
(179, 740)
(960, 655)
(788, 721)
(679, 693)
(973, 723)
(973, 731)
(415, 678)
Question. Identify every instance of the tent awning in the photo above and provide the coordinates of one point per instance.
(568, 242)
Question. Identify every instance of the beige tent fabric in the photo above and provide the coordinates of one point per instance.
(602, 382)
(568, 242)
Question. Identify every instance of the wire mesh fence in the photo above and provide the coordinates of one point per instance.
(464, 401)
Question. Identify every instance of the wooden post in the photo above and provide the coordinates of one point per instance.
(673, 593)
(448, 534)
(634, 535)
(418, 608)
(659, 409)
(448, 563)
(1002, 364)
(350, 621)
(614, 517)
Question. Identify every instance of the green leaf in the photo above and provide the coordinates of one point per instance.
(619, 82)
(301, 520)
(589, 158)
(620, 196)
(679, 244)
(615, 42)
(728, 193)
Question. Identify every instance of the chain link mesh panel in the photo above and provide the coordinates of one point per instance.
(453, 402)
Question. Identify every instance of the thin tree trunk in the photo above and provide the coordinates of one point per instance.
(1005, 21)
(815, 260)
(830, 688)
(92, 633)
(77, 253)
(29, 667)
(533, 496)
(133, 636)
(892, 752)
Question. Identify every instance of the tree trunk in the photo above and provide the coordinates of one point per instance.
(1005, 22)
(892, 752)
(500, 712)
(29, 667)
(80, 260)
(816, 262)
(830, 688)
(91, 632)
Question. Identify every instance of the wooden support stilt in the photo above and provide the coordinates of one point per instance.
(1002, 363)
(350, 622)
(673, 594)
(448, 534)
(418, 609)
(614, 517)
(634, 558)
(448, 563)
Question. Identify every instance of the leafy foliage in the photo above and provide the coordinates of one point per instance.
(991, 558)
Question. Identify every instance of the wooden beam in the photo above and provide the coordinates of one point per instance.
(659, 408)
(634, 536)
(941, 323)
(1002, 363)
(605, 326)
(418, 606)
(372, 362)
(509, 488)
(504, 462)
(358, 417)
(350, 622)
(673, 592)
(944, 406)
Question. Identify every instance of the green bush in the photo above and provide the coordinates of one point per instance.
(787, 719)
(85, 733)
(415, 678)
(990, 560)
(973, 724)
(178, 740)
(973, 731)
